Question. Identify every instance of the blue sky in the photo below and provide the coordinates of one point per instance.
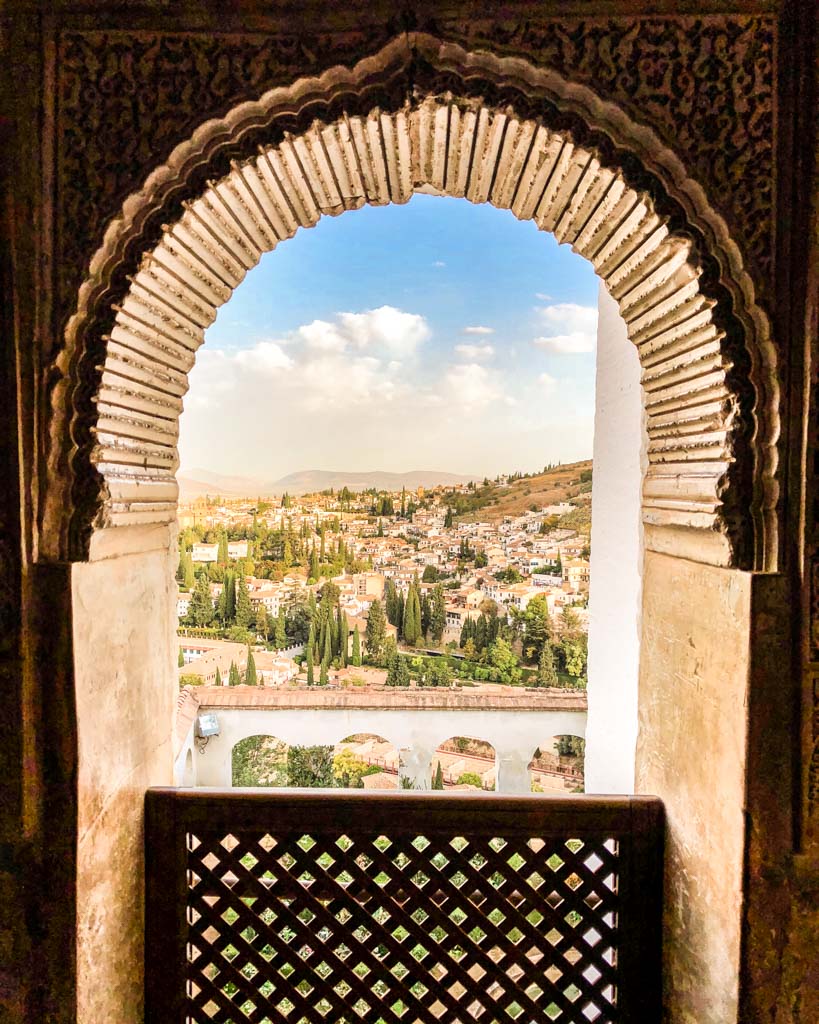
(434, 335)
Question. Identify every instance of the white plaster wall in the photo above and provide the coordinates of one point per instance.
(124, 616)
(416, 734)
(617, 557)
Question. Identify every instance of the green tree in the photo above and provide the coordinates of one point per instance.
(438, 781)
(310, 767)
(470, 779)
(503, 660)
(412, 617)
(244, 609)
(200, 612)
(262, 621)
(218, 681)
(311, 679)
(375, 634)
(327, 646)
(344, 639)
(437, 622)
(356, 660)
(250, 672)
(430, 575)
(180, 661)
(222, 557)
(546, 674)
(280, 632)
(391, 603)
(314, 563)
(234, 679)
(185, 573)
(324, 677)
(575, 653)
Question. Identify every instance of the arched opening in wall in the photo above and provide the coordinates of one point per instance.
(558, 765)
(366, 761)
(259, 761)
(653, 248)
(464, 763)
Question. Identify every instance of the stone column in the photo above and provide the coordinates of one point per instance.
(416, 765)
(513, 772)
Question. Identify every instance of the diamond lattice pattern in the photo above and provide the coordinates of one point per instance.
(382, 929)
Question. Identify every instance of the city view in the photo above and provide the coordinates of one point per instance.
(348, 587)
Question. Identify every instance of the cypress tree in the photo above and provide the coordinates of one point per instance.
(230, 598)
(437, 620)
(426, 614)
(391, 599)
(185, 572)
(340, 635)
(546, 674)
(438, 781)
(222, 557)
(399, 613)
(344, 641)
(280, 636)
(323, 677)
(310, 677)
(250, 672)
(262, 623)
(314, 563)
(234, 679)
(323, 552)
(412, 617)
(376, 631)
(356, 647)
(200, 611)
(327, 651)
(180, 661)
(244, 609)
(218, 680)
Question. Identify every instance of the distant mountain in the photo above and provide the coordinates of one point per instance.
(311, 480)
(195, 483)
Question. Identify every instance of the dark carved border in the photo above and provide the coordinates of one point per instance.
(429, 66)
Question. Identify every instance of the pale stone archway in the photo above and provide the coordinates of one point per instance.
(709, 496)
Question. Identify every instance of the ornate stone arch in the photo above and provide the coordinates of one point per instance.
(423, 115)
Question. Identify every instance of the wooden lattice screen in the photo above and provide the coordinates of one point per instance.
(403, 908)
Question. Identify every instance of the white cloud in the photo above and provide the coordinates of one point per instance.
(543, 296)
(470, 385)
(387, 328)
(479, 330)
(475, 351)
(439, 263)
(570, 329)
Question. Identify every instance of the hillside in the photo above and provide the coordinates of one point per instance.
(551, 488)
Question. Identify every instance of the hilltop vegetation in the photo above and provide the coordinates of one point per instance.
(490, 502)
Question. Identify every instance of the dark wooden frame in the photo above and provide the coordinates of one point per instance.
(637, 823)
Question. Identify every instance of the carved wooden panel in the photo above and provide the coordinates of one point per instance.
(336, 908)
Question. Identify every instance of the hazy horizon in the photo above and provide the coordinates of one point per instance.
(438, 334)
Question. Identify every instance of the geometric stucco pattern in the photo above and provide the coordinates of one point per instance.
(447, 146)
(704, 85)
